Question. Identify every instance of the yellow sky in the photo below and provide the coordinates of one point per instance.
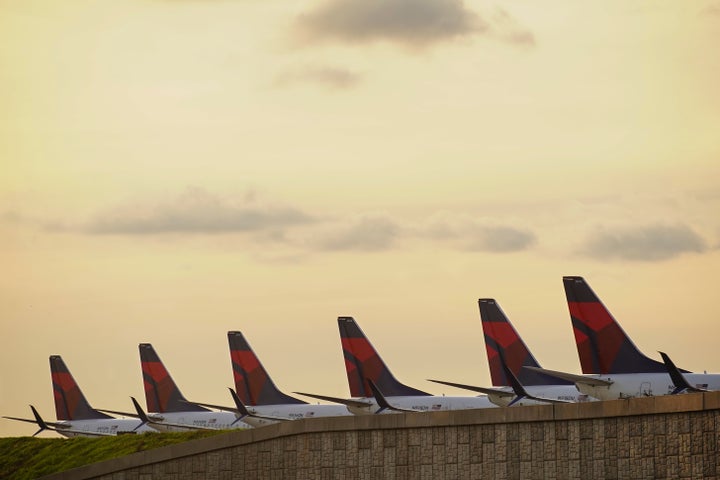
(175, 169)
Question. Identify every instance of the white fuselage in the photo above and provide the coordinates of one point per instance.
(184, 421)
(430, 403)
(627, 385)
(293, 412)
(95, 427)
(567, 393)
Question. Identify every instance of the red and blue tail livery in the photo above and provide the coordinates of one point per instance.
(253, 385)
(70, 403)
(602, 344)
(362, 363)
(503, 342)
(161, 393)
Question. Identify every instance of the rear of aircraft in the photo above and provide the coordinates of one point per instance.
(362, 362)
(252, 382)
(602, 344)
(502, 342)
(161, 393)
(70, 403)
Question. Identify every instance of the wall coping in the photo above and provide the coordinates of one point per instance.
(539, 413)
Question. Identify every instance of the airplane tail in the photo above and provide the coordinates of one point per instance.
(70, 403)
(503, 341)
(362, 363)
(161, 393)
(602, 344)
(252, 382)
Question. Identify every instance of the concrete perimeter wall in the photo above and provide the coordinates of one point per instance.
(655, 437)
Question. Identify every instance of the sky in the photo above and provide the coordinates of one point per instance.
(176, 169)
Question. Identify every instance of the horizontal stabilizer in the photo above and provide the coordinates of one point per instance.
(116, 412)
(472, 388)
(343, 401)
(592, 381)
(222, 408)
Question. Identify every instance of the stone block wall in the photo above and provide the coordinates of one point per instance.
(657, 437)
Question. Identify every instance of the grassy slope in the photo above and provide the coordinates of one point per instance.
(27, 457)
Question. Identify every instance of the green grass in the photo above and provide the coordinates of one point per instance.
(28, 458)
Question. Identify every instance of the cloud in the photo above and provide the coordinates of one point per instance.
(367, 233)
(712, 9)
(196, 211)
(334, 78)
(500, 240)
(412, 23)
(644, 243)
(469, 234)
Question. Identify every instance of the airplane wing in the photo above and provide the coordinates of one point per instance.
(678, 379)
(382, 401)
(472, 388)
(55, 427)
(343, 401)
(592, 381)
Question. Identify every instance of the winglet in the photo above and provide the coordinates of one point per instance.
(382, 401)
(517, 387)
(678, 379)
(41, 423)
(521, 393)
(140, 412)
(241, 408)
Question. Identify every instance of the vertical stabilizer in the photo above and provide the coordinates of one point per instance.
(502, 340)
(363, 362)
(70, 403)
(161, 393)
(602, 344)
(252, 382)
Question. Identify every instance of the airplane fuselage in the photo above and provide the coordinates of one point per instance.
(293, 412)
(100, 427)
(566, 393)
(629, 385)
(428, 403)
(184, 421)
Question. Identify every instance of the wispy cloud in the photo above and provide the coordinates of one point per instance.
(412, 23)
(330, 77)
(473, 235)
(195, 211)
(366, 233)
(644, 243)
(712, 9)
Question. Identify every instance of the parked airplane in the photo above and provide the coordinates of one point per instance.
(613, 366)
(76, 418)
(507, 355)
(258, 392)
(365, 368)
(167, 407)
